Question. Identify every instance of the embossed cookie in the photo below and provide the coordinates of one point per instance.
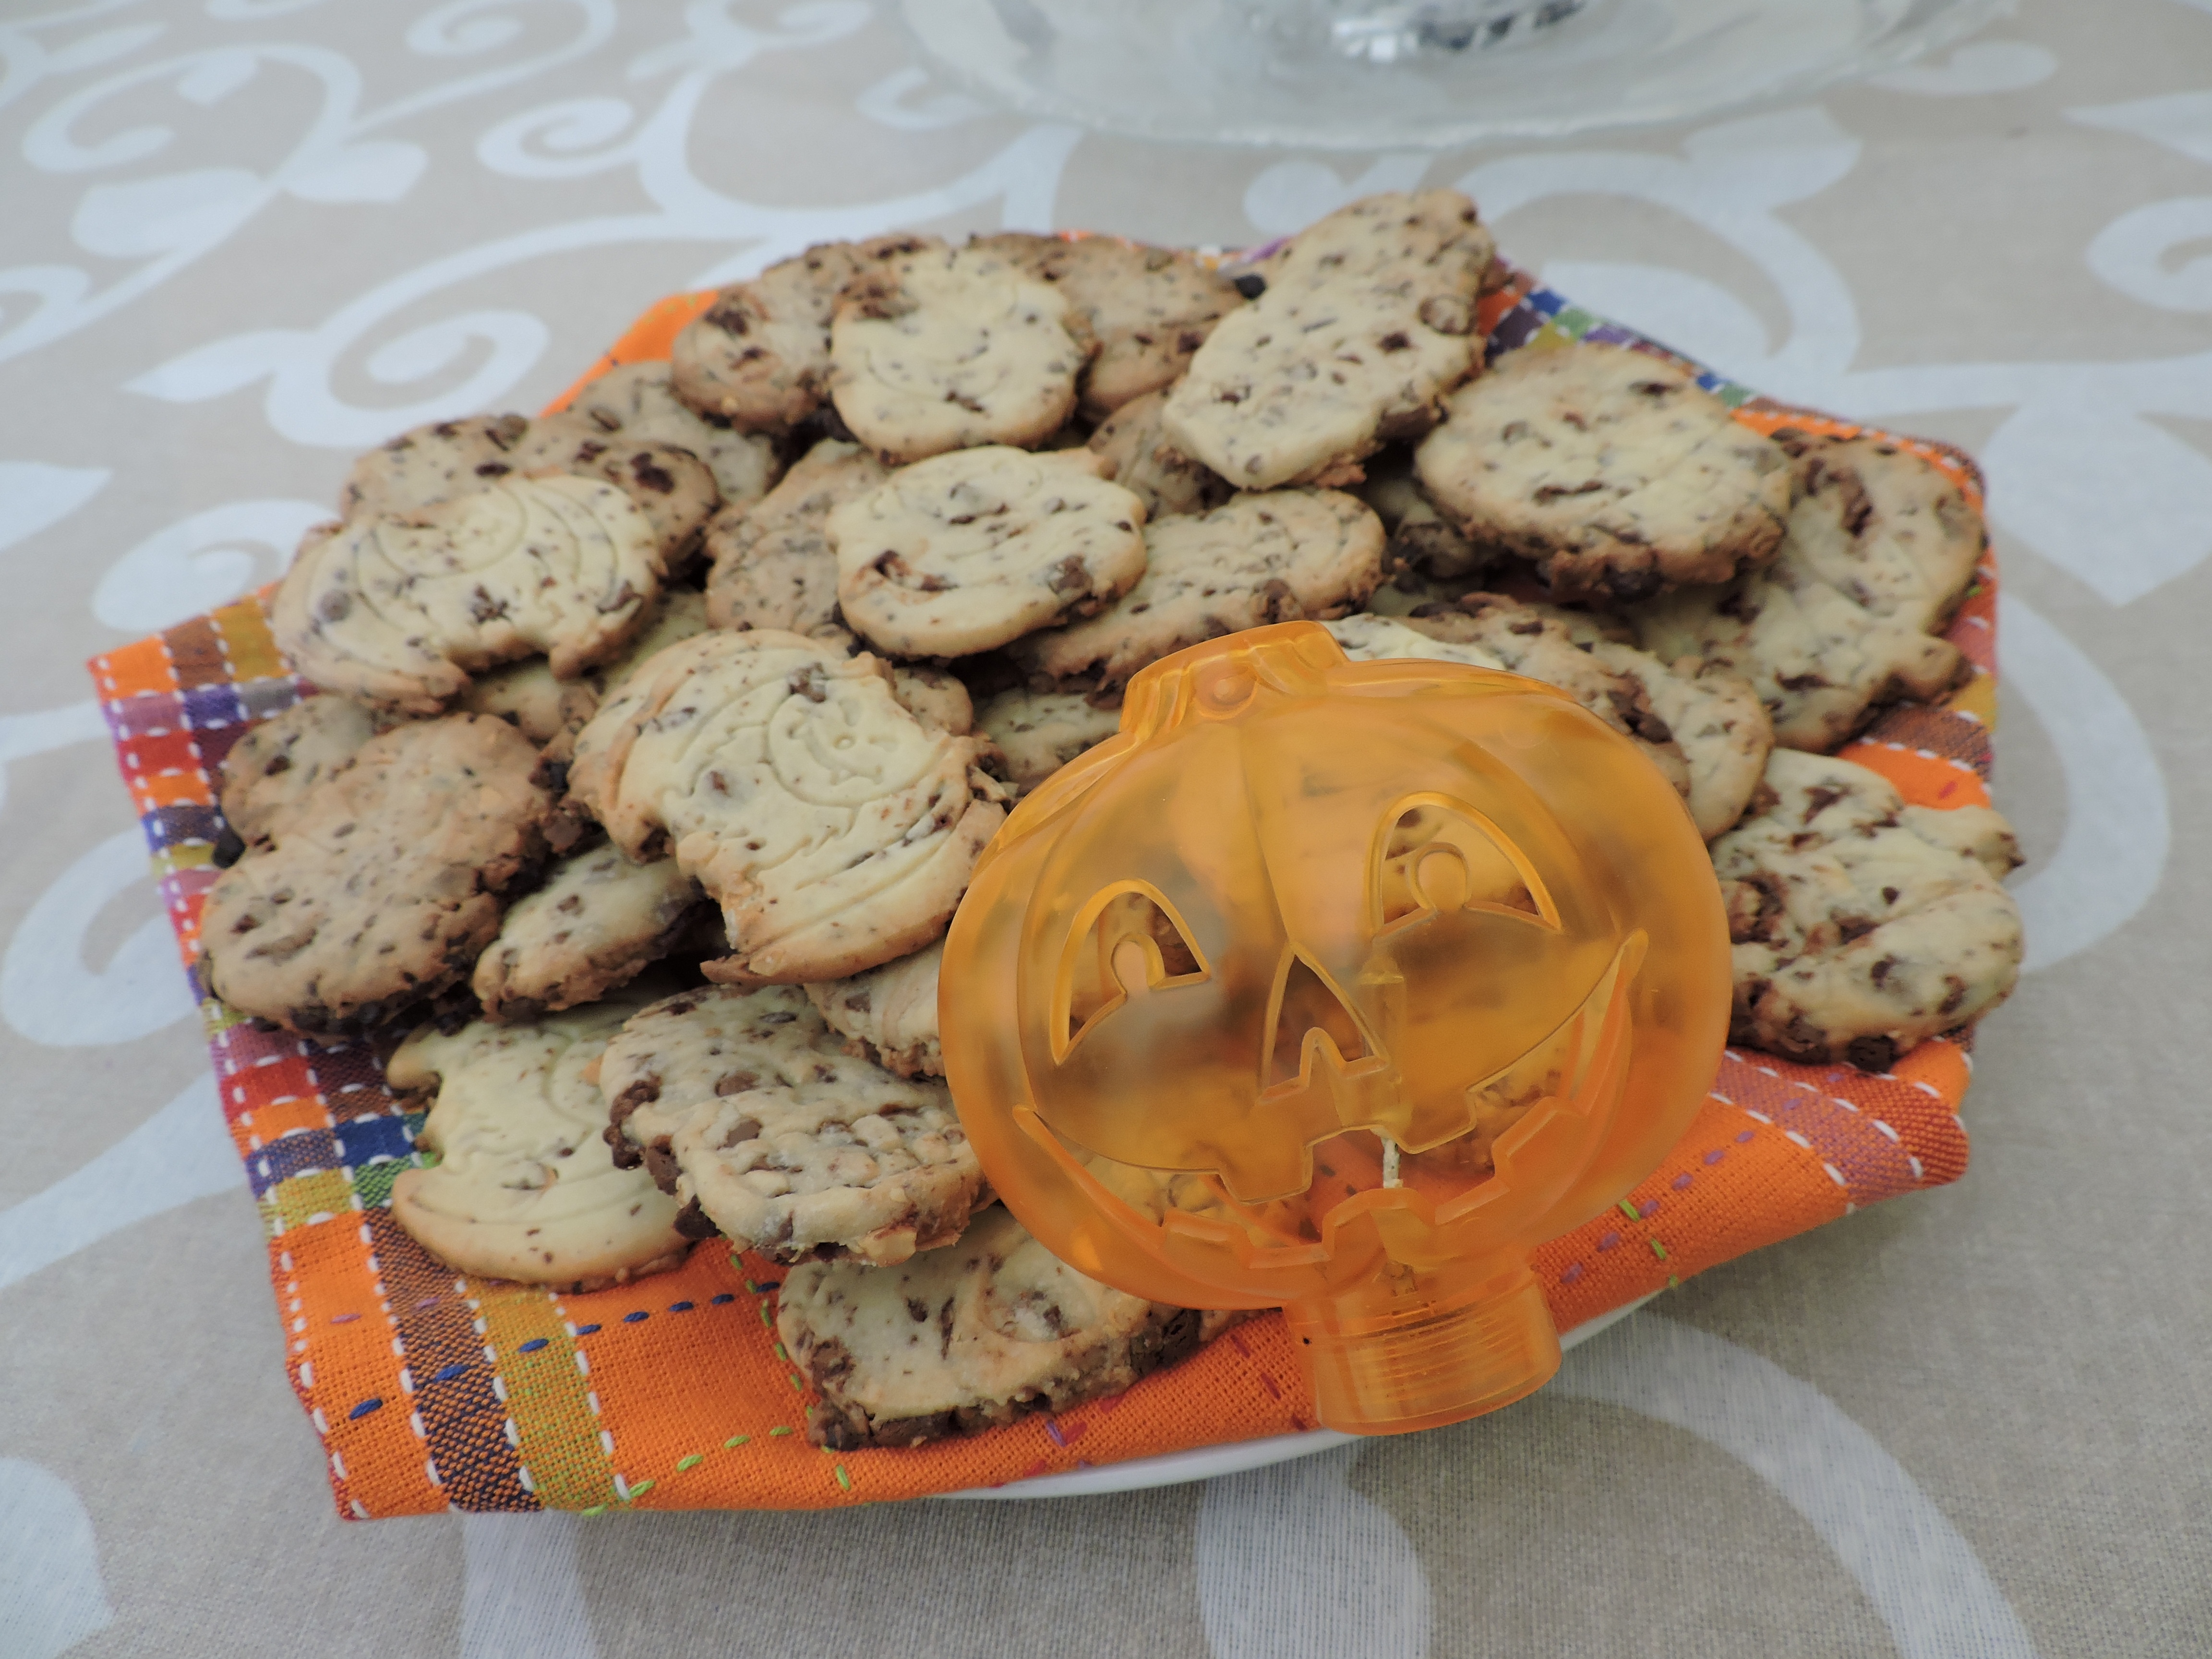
(969, 1338)
(429, 464)
(746, 1107)
(1367, 321)
(599, 920)
(889, 1014)
(1613, 469)
(1040, 732)
(525, 1188)
(968, 551)
(759, 356)
(401, 611)
(836, 830)
(1881, 548)
(1266, 558)
(637, 401)
(543, 709)
(379, 889)
(1149, 308)
(948, 348)
(279, 760)
(1139, 457)
(1862, 924)
(773, 567)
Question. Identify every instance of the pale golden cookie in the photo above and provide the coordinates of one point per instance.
(636, 401)
(949, 348)
(773, 567)
(1611, 469)
(1040, 732)
(969, 1338)
(968, 551)
(598, 921)
(525, 1188)
(745, 1106)
(889, 1014)
(1139, 459)
(836, 830)
(279, 760)
(1862, 924)
(1880, 549)
(1367, 320)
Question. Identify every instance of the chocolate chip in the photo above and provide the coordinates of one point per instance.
(1251, 284)
(229, 847)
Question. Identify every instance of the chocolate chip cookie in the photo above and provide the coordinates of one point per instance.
(773, 566)
(889, 1014)
(282, 759)
(599, 920)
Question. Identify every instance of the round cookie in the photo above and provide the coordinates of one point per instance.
(430, 464)
(889, 1014)
(637, 401)
(968, 551)
(745, 1105)
(1367, 320)
(1862, 926)
(835, 829)
(772, 566)
(525, 1188)
(1882, 547)
(935, 697)
(967, 1339)
(1259, 559)
(759, 356)
(400, 612)
(949, 348)
(1139, 459)
(1040, 732)
(598, 921)
(1421, 541)
(1149, 308)
(379, 889)
(1613, 469)
(279, 761)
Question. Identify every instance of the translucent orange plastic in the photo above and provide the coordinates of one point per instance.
(1339, 987)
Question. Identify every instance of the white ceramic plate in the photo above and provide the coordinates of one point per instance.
(1204, 1462)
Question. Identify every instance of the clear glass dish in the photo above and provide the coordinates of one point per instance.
(1393, 74)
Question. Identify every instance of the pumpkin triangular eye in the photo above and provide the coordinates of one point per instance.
(1437, 856)
(1131, 945)
(1304, 1003)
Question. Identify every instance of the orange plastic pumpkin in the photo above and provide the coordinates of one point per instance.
(1339, 987)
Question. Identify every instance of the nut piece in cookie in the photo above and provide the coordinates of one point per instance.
(1613, 469)
(1139, 458)
(968, 551)
(598, 922)
(759, 356)
(525, 1188)
(377, 889)
(836, 830)
(636, 401)
(949, 348)
(1040, 732)
(1862, 924)
(745, 1106)
(1259, 559)
(771, 563)
(969, 1338)
(1149, 308)
(279, 761)
(889, 1014)
(1881, 548)
(1367, 321)
(400, 612)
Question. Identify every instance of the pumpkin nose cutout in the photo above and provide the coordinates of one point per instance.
(1306, 1013)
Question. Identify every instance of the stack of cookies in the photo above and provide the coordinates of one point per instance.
(657, 739)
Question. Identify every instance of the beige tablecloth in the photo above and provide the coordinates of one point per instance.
(240, 240)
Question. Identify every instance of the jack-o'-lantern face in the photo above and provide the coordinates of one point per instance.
(1301, 907)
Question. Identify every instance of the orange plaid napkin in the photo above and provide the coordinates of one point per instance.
(431, 1390)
